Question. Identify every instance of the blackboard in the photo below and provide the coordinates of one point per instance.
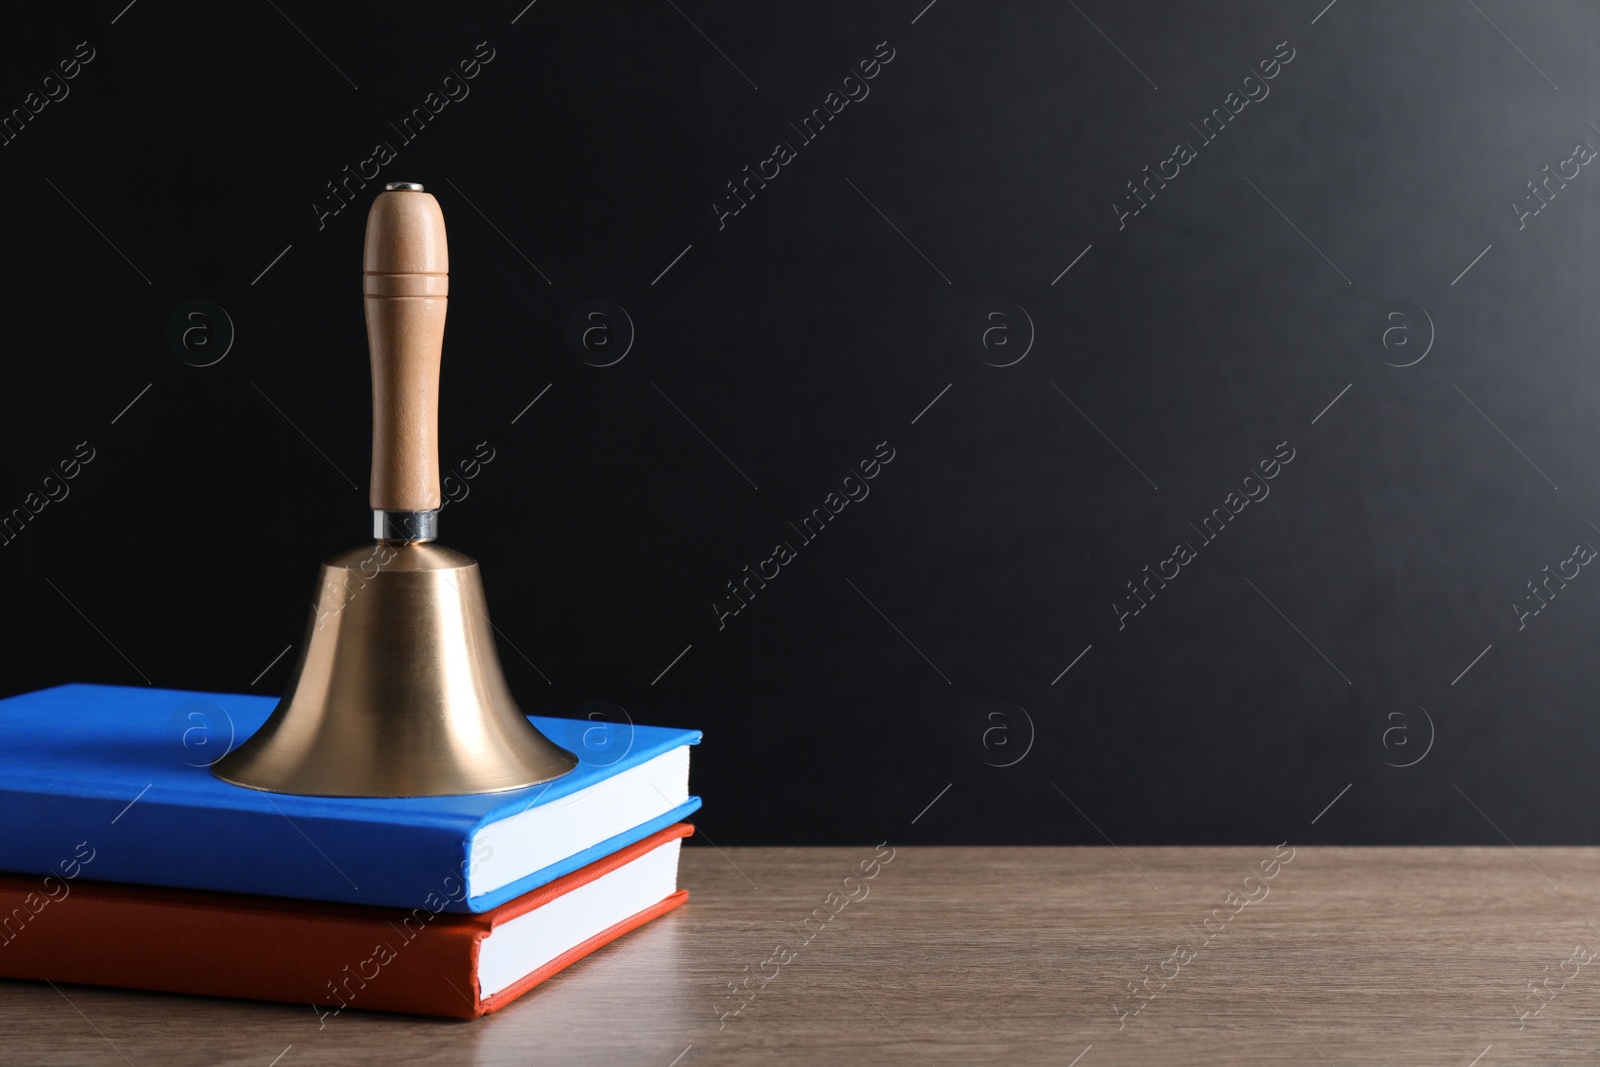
(1025, 423)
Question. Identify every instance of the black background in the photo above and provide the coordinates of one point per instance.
(809, 329)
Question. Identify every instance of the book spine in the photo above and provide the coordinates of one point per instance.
(102, 935)
(282, 851)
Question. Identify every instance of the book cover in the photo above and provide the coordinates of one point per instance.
(331, 957)
(124, 773)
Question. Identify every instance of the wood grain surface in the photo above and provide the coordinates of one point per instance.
(986, 956)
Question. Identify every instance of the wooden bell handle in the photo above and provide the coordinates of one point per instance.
(406, 282)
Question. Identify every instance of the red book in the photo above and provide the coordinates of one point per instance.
(425, 961)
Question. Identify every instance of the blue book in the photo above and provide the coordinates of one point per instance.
(122, 776)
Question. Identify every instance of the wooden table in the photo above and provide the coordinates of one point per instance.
(987, 955)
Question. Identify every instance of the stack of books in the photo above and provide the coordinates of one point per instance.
(131, 865)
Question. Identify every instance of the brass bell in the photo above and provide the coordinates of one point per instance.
(398, 690)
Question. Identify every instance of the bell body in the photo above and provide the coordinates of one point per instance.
(398, 690)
